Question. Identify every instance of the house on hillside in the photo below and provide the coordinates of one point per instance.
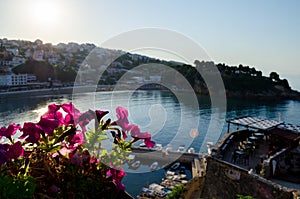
(18, 60)
(13, 80)
(38, 55)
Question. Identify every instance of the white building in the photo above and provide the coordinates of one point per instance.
(13, 51)
(13, 80)
(18, 61)
(31, 78)
(5, 63)
(4, 79)
(38, 55)
(28, 53)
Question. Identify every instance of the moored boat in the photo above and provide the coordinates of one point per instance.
(154, 166)
(136, 164)
(175, 166)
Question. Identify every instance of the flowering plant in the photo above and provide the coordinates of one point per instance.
(58, 158)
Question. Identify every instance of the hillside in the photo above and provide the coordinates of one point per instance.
(239, 82)
(43, 70)
(242, 82)
(62, 61)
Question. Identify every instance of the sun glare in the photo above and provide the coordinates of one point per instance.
(44, 12)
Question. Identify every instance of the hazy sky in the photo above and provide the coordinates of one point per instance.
(263, 34)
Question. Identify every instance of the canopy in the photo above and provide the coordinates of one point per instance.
(290, 127)
(254, 122)
(287, 131)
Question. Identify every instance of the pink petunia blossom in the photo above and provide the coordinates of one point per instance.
(85, 118)
(9, 131)
(48, 125)
(76, 139)
(100, 114)
(15, 150)
(3, 157)
(31, 131)
(137, 134)
(122, 115)
(72, 112)
(74, 116)
(149, 143)
(53, 113)
(117, 176)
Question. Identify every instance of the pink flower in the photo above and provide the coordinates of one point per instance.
(122, 115)
(149, 143)
(100, 114)
(48, 125)
(73, 114)
(31, 130)
(85, 118)
(9, 131)
(3, 149)
(137, 134)
(76, 139)
(53, 113)
(15, 150)
(117, 176)
(8, 152)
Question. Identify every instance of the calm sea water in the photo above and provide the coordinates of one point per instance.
(161, 113)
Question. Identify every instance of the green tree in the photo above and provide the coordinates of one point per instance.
(274, 76)
(259, 74)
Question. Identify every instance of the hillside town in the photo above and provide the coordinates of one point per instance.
(14, 53)
(17, 57)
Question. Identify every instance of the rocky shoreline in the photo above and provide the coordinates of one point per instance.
(276, 93)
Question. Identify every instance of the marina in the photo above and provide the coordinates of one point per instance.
(174, 177)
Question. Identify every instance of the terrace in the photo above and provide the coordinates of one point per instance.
(266, 147)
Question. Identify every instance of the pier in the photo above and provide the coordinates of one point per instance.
(163, 155)
(168, 157)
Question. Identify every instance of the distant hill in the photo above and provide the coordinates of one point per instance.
(240, 81)
(243, 82)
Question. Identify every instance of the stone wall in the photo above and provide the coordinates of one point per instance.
(225, 181)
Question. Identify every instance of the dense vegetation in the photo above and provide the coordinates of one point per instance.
(43, 70)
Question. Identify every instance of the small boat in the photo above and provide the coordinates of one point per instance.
(158, 147)
(181, 148)
(169, 148)
(170, 173)
(154, 166)
(175, 166)
(191, 150)
(148, 191)
(136, 164)
(131, 158)
(143, 145)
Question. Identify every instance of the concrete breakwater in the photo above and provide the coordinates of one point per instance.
(163, 155)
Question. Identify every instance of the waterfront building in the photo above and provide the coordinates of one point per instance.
(13, 80)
